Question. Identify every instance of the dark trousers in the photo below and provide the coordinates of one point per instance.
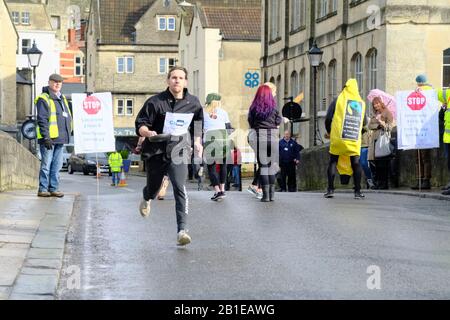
(382, 169)
(267, 151)
(356, 167)
(217, 178)
(234, 175)
(288, 175)
(157, 168)
(447, 153)
(255, 181)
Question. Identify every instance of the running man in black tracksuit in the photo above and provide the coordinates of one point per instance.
(170, 157)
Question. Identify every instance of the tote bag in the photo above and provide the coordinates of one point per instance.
(383, 146)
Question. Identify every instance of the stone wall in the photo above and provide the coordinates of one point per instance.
(312, 173)
(19, 169)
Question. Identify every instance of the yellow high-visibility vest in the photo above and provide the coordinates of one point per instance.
(444, 98)
(345, 135)
(115, 161)
(52, 119)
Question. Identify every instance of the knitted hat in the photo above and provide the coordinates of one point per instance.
(421, 79)
(212, 97)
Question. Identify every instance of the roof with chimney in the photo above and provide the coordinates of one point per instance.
(117, 18)
(237, 20)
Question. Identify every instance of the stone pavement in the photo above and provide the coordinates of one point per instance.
(32, 240)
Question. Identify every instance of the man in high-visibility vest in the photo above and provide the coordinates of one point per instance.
(444, 98)
(115, 163)
(423, 156)
(54, 128)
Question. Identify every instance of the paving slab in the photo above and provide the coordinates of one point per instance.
(35, 284)
(44, 263)
(39, 271)
(32, 240)
(40, 253)
(4, 292)
(18, 250)
(9, 269)
(18, 296)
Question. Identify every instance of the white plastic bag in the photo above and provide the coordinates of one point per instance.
(383, 146)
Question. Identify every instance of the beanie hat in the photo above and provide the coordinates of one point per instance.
(212, 97)
(421, 79)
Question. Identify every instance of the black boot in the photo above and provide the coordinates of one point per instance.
(271, 192)
(266, 192)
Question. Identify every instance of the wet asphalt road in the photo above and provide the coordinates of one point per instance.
(300, 247)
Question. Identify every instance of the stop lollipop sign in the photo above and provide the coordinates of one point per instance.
(92, 105)
(416, 101)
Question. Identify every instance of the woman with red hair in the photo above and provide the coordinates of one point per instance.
(264, 118)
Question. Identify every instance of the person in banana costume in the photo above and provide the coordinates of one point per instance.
(345, 119)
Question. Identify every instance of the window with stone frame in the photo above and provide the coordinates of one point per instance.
(446, 69)
(78, 66)
(125, 107)
(358, 72)
(275, 19)
(294, 84)
(166, 23)
(280, 93)
(25, 17)
(322, 87)
(15, 17)
(125, 64)
(301, 81)
(372, 70)
(297, 14)
(26, 45)
(332, 80)
(56, 22)
(165, 64)
(325, 7)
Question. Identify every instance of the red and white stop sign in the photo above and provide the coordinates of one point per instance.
(92, 105)
(416, 101)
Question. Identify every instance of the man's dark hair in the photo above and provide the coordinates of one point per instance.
(177, 68)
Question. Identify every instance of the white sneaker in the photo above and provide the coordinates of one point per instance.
(183, 238)
(259, 195)
(144, 208)
(252, 190)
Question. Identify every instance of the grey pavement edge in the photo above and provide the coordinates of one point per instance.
(32, 240)
(434, 193)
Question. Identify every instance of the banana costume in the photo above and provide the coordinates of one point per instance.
(345, 135)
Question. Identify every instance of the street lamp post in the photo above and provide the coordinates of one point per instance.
(34, 58)
(315, 57)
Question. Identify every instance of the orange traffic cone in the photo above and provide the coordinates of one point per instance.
(98, 174)
(122, 181)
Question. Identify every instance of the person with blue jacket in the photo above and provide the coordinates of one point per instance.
(289, 151)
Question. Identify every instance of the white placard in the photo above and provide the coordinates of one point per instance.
(177, 124)
(93, 123)
(417, 127)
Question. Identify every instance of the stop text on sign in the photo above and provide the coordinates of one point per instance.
(92, 105)
(416, 101)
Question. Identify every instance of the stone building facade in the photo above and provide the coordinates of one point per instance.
(130, 47)
(383, 44)
(219, 45)
(8, 48)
